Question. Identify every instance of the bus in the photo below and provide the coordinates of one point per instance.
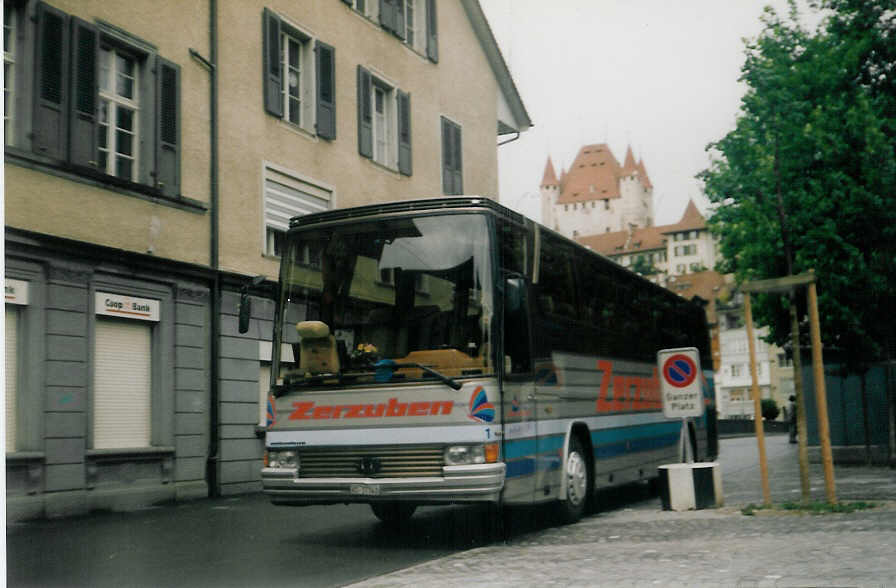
(450, 350)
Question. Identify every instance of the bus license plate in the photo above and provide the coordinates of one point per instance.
(365, 489)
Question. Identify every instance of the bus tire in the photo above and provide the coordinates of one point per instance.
(393, 513)
(577, 475)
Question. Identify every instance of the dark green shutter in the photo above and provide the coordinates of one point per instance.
(326, 90)
(432, 32)
(404, 133)
(82, 117)
(398, 18)
(447, 153)
(167, 127)
(273, 79)
(365, 116)
(50, 125)
(458, 161)
(387, 15)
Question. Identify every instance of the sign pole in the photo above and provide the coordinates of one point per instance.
(757, 405)
(685, 440)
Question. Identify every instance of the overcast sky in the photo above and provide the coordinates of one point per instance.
(660, 75)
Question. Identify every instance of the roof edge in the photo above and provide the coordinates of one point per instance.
(496, 61)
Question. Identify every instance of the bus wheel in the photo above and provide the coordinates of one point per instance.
(393, 513)
(578, 483)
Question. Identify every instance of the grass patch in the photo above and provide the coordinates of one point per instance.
(813, 508)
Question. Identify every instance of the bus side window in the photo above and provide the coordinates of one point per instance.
(516, 326)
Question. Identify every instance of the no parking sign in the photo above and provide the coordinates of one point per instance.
(680, 382)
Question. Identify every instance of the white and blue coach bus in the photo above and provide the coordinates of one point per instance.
(452, 351)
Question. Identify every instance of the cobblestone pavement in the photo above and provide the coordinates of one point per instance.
(642, 545)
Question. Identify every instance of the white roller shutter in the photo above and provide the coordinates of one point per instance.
(264, 386)
(122, 395)
(286, 196)
(12, 324)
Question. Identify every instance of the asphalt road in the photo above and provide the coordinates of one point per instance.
(245, 541)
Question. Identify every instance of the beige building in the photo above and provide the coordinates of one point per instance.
(152, 163)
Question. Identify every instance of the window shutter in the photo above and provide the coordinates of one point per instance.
(273, 80)
(387, 15)
(458, 160)
(432, 32)
(167, 127)
(83, 137)
(365, 116)
(51, 106)
(326, 90)
(447, 152)
(404, 133)
(398, 18)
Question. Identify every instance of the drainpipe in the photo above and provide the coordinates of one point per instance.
(211, 469)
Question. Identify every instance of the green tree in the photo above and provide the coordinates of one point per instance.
(770, 410)
(806, 179)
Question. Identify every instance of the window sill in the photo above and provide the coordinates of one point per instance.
(24, 456)
(100, 180)
(130, 453)
(392, 170)
(297, 130)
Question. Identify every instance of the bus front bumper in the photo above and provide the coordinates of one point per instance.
(466, 483)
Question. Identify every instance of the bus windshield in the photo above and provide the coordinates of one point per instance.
(391, 300)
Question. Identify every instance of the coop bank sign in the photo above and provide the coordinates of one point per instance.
(129, 307)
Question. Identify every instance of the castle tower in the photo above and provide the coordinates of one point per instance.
(550, 191)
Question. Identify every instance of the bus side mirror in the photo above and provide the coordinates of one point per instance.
(514, 295)
(245, 308)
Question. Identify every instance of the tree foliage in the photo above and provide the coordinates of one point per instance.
(806, 179)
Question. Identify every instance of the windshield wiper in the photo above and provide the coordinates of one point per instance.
(385, 368)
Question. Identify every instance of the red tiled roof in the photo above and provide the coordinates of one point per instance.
(629, 166)
(550, 178)
(690, 220)
(704, 284)
(642, 171)
(618, 242)
(594, 175)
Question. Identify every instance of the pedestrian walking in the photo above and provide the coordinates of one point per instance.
(791, 416)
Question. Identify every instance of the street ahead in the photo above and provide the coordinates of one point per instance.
(245, 541)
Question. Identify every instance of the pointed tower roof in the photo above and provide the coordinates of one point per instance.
(690, 220)
(594, 175)
(642, 173)
(629, 166)
(550, 178)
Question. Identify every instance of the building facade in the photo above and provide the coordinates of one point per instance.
(150, 173)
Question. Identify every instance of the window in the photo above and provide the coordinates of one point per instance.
(452, 158)
(103, 103)
(286, 195)
(606, 204)
(384, 122)
(119, 111)
(12, 346)
(736, 370)
(412, 21)
(10, 16)
(299, 78)
(681, 268)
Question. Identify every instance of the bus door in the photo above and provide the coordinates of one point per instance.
(519, 408)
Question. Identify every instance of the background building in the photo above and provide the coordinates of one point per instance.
(150, 172)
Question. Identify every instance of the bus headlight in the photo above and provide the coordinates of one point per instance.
(471, 454)
(283, 458)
